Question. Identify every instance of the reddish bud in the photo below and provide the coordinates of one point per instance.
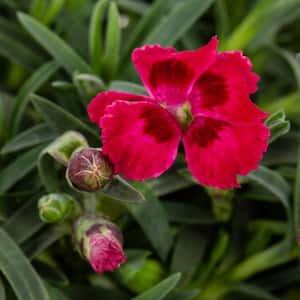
(89, 170)
(100, 242)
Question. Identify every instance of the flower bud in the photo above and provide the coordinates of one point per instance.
(55, 208)
(100, 242)
(139, 277)
(89, 170)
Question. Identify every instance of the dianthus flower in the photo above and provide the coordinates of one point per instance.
(200, 97)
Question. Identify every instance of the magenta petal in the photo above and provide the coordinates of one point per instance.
(96, 107)
(140, 138)
(223, 90)
(169, 75)
(216, 152)
(106, 253)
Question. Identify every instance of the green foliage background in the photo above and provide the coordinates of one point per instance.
(234, 245)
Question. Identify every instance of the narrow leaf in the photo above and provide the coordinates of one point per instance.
(297, 195)
(18, 169)
(142, 28)
(161, 290)
(24, 222)
(18, 53)
(191, 241)
(95, 35)
(125, 86)
(53, 10)
(112, 42)
(24, 280)
(152, 218)
(185, 213)
(2, 290)
(181, 18)
(63, 54)
(121, 190)
(60, 119)
(33, 136)
(36, 80)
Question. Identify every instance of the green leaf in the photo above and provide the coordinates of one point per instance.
(255, 292)
(33, 136)
(186, 213)
(88, 86)
(95, 35)
(181, 18)
(291, 59)
(50, 273)
(36, 80)
(59, 119)
(62, 53)
(142, 28)
(288, 103)
(112, 42)
(183, 295)
(161, 290)
(297, 194)
(280, 279)
(55, 294)
(125, 86)
(279, 252)
(18, 169)
(24, 280)
(79, 292)
(121, 190)
(222, 19)
(262, 23)
(191, 241)
(215, 256)
(169, 182)
(277, 125)
(135, 6)
(53, 9)
(283, 151)
(47, 172)
(18, 53)
(40, 242)
(2, 290)
(153, 220)
(273, 182)
(24, 222)
(38, 9)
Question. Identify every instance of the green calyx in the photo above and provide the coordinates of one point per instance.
(81, 229)
(65, 145)
(141, 277)
(54, 208)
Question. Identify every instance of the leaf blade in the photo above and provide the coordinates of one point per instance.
(14, 265)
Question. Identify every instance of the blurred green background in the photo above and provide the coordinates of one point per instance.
(55, 55)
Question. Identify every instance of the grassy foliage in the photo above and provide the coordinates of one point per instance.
(57, 54)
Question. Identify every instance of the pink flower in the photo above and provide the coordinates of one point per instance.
(99, 241)
(106, 253)
(200, 97)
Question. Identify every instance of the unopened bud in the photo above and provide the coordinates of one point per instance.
(55, 207)
(89, 170)
(100, 242)
(141, 277)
